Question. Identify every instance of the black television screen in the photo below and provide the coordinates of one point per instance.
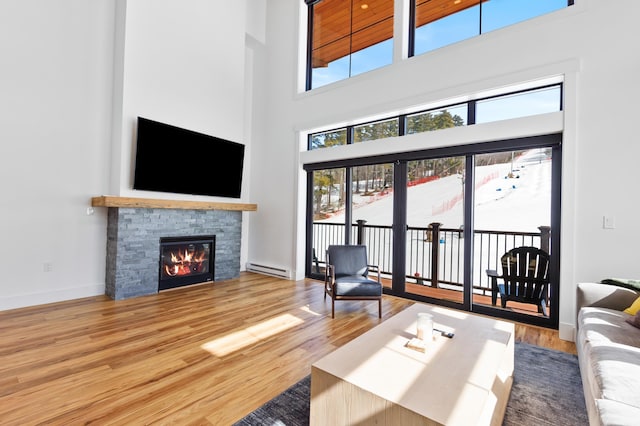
(172, 159)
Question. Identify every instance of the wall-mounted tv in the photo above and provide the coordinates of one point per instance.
(177, 160)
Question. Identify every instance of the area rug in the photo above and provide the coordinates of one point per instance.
(547, 390)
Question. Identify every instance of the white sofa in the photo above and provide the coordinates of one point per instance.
(609, 354)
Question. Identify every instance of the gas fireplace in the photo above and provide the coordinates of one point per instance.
(186, 260)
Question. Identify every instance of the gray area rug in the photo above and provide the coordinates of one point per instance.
(547, 390)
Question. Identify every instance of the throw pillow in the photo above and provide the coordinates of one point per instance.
(634, 320)
(633, 284)
(634, 308)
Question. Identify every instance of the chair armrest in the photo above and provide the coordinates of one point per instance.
(492, 273)
(604, 296)
(329, 274)
(374, 268)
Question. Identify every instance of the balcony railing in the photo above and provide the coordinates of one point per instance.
(434, 255)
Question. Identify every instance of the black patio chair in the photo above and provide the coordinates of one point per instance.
(525, 278)
(347, 276)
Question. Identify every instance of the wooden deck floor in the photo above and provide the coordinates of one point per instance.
(478, 299)
(204, 354)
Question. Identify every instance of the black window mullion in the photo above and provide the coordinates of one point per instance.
(348, 202)
(468, 231)
(308, 80)
(399, 227)
(402, 124)
(471, 113)
(412, 29)
(309, 233)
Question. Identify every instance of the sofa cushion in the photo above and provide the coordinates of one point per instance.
(357, 286)
(609, 325)
(634, 320)
(614, 413)
(616, 369)
(612, 350)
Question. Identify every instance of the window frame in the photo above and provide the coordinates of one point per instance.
(309, 44)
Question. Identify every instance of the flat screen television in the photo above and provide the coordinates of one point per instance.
(177, 160)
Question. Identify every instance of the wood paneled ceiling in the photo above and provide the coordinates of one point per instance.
(337, 31)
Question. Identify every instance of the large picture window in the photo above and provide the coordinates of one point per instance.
(348, 37)
(438, 23)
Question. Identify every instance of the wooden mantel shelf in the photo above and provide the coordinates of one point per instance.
(152, 203)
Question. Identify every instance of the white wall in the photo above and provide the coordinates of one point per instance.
(55, 117)
(590, 44)
(183, 65)
(75, 74)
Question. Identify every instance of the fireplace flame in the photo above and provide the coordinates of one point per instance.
(185, 263)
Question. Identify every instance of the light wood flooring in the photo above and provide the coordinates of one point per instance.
(198, 355)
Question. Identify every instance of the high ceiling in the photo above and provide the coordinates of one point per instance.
(337, 31)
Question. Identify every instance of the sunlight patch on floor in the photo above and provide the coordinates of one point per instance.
(308, 310)
(251, 335)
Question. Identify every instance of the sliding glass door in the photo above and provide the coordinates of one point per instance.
(372, 206)
(353, 205)
(512, 208)
(435, 221)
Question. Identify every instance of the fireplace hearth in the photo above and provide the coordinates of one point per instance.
(186, 260)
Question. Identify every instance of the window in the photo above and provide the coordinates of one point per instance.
(516, 104)
(346, 38)
(521, 104)
(377, 130)
(437, 119)
(501, 13)
(328, 139)
(349, 37)
(438, 23)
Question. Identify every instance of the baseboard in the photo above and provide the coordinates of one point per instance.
(58, 295)
(263, 268)
(567, 332)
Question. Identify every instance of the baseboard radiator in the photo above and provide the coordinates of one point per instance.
(269, 270)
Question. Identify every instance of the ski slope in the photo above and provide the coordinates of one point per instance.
(522, 203)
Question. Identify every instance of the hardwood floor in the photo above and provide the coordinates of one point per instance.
(205, 354)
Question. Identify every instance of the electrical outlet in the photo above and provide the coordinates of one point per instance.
(47, 267)
(609, 222)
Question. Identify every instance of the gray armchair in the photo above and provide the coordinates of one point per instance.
(347, 276)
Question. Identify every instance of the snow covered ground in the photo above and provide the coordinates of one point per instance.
(519, 204)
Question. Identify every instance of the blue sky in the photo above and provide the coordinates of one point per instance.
(495, 14)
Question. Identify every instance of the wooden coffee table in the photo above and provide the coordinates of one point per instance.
(376, 379)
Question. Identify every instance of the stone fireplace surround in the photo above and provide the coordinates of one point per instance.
(134, 229)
